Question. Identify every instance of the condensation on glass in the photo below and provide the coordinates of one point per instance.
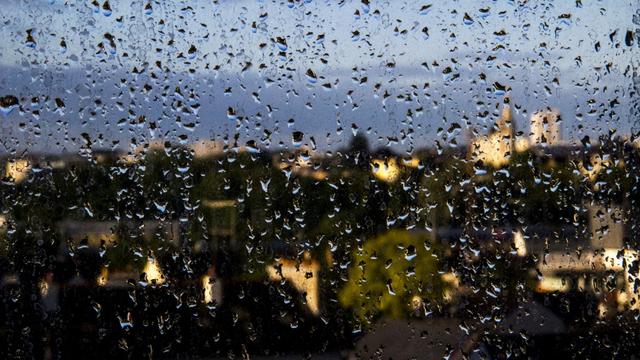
(319, 179)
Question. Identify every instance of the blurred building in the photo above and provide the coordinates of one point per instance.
(207, 148)
(222, 219)
(495, 148)
(600, 266)
(302, 275)
(545, 127)
(103, 235)
(303, 161)
(607, 227)
(97, 232)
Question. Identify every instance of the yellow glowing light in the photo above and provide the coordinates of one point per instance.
(128, 159)
(491, 150)
(454, 283)
(597, 164)
(552, 284)
(319, 175)
(416, 302)
(622, 298)
(385, 170)
(103, 278)
(303, 276)
(208, 289)
(631, 275)
(412, 162)
(520, 244)
(153, 272)
(212, 289)
(522, 145)
(44, 288)
(18, 169)
(602, 310)
(452, 279)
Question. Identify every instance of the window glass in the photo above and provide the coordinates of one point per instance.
(319, 179)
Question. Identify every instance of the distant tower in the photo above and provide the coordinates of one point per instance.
(504, 127)
(545, 127)
(496, 148)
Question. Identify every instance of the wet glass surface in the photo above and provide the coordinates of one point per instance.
(319, 179)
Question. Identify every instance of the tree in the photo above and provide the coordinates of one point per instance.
(393, 275)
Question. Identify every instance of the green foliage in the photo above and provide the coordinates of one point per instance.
(543, 190)
(443, 198)
(389, 273)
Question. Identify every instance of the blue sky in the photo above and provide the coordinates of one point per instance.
(438, 62)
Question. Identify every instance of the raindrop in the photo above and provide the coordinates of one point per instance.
(106, 9)
(312, 78)
(467, 20)
(425, 9)
(296, 138)
(231, 114)
(31, 41)
(281, 43)
(8, 103)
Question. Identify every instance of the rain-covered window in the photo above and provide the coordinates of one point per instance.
(319, 179)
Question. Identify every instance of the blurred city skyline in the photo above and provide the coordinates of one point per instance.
(397, 72)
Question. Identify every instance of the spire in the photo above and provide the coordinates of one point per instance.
(504, 124)
(505, 119)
